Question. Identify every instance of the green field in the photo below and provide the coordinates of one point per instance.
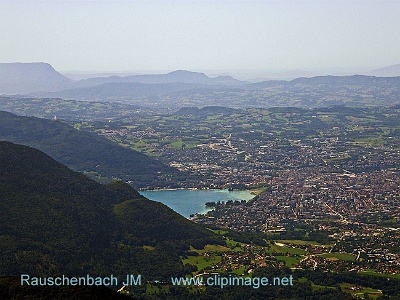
(202, 262)
(218, 231)
(289, 261)
(299, 242)
(233, 245)
(360, 291)
(341, 256)
(374, 273)
(284, 249)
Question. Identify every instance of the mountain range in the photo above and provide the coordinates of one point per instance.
(39, 78)
(183, 88)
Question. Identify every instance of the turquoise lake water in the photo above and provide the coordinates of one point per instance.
(187, 202)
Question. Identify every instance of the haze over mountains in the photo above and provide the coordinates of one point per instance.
(23, 78)
(172, 77)
(390, 71)
(184, 88)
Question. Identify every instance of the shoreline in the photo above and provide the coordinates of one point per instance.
(254, 191)
(187, 203)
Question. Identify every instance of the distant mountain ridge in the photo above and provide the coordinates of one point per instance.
(362, 80)
(28, 78)
(315, 91)
(184, 88)
(389, 71)
(22, 78)
(179, 76)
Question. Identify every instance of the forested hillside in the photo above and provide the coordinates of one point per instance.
(56, 221)
(85, 152)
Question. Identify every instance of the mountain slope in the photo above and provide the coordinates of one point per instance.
(390, 71)
(84, 151)
(54, 220)
(23, 78)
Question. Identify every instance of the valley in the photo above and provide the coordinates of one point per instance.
(325, 181)
(326, 178)
(330, 176)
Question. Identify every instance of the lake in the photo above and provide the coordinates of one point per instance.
(189, 201)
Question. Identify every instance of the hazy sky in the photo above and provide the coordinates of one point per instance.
(201, 35)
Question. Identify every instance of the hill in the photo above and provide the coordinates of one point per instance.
(179, 76)
(205, 111)
(127, 87)
(22, 78)
(84, 151)
(325, 91)
(390, 71)
(57, 221)
(319, 91)
(121, 90)
(343, 81)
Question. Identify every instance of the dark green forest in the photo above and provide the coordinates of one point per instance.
(56, 221)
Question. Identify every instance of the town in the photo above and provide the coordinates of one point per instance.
(330, 177)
